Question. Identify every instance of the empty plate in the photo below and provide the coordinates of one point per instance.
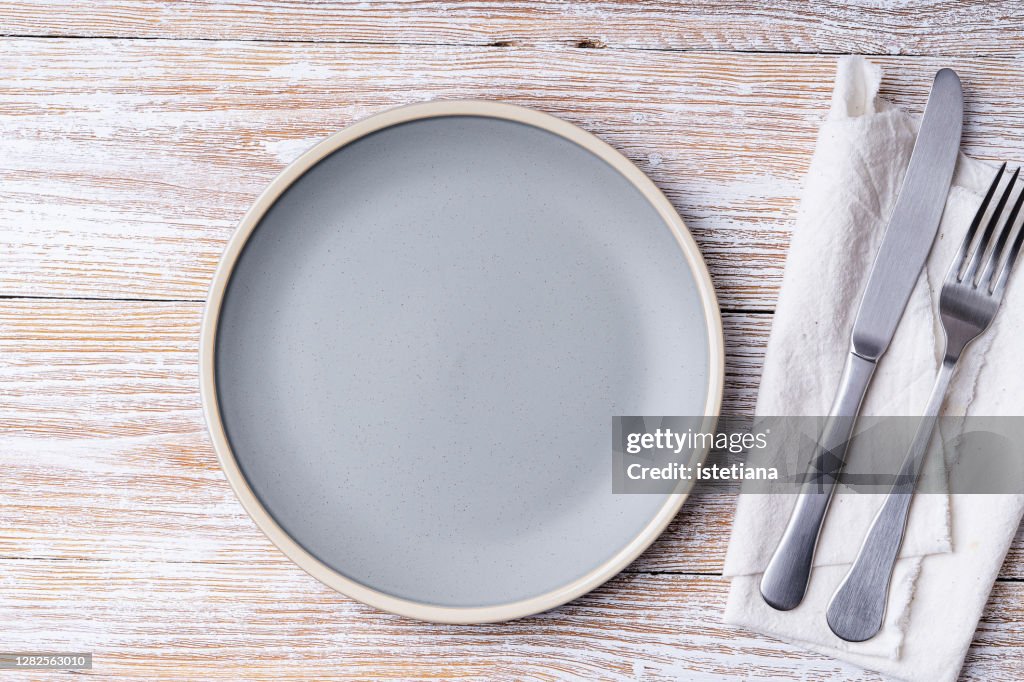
(416, 341)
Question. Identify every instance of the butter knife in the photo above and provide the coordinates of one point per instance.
(905, 245)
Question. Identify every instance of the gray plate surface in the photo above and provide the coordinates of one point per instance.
(421, 348)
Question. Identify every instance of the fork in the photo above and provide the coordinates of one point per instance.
(970, 297)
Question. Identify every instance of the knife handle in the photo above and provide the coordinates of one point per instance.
(784, 582)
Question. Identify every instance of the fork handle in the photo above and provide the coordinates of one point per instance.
(784, 582)
(857, 608)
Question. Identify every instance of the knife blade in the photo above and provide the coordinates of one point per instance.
(914, 220)
(905, 245)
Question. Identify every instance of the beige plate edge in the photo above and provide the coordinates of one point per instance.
(211, 410)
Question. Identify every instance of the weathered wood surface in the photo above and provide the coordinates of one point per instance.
(153, 620)
(930, 27)
(165, 620)
(105, 450)
(126, 163)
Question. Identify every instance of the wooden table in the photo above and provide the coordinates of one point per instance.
(133, 135)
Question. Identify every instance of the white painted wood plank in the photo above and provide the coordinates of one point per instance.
(124, 165)
(860, 26)
(105, 448)
(161, 620)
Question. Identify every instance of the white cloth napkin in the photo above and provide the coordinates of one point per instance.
(954, 544)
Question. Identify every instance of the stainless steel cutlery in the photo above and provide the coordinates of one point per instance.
(968, 302)
(903, 251)
(969, 299)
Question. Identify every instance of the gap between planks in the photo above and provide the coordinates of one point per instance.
(738, 26)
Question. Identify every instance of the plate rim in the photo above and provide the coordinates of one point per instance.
(211, 315)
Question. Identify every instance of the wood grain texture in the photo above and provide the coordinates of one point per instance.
(128, 163)
(178, 138)
(274, 622)
(163, 620)
(104, 442)
(932, 27)
(104, 439)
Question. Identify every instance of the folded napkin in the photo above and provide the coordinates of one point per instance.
(955, 544)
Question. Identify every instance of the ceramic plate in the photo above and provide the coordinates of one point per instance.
(416, 341)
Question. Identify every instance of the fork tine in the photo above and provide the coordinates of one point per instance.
(992, 265)
(965, 248)
(986, 236)
(1000, 286)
